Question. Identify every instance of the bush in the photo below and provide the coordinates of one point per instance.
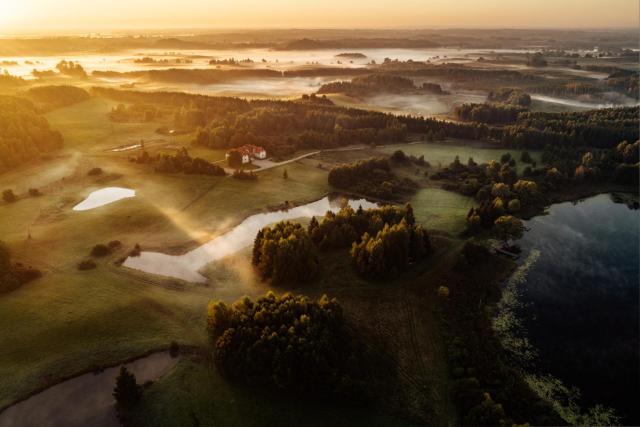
(95, 172)
(247, 176)
(34, 192)
(8, 196)
(100, 250)
(114, 244)
(87, 264)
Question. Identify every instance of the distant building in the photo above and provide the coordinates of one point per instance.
(248, 152)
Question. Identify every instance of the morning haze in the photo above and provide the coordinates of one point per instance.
(338, 213)
(35, 16)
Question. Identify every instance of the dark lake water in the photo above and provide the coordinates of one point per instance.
(579, 300)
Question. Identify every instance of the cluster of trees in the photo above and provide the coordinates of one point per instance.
(230, 61)
(371, 84)
(70, 68)
(288, 343)
(181, 162)
(384, 242)
(503, 199)
(391, 250)
(372, 177)
(510, 96)
(24, 133)
(340, 230)
(379, 83)
(150, 60)
(14, 275)
(52, 97)
(492, 113)
(285, 253)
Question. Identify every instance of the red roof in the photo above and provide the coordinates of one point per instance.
(248, 149)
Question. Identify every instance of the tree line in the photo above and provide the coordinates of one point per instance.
(180, 162)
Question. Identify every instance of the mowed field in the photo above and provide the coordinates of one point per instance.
(70, 321)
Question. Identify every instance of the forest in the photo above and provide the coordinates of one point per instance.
(25, 134)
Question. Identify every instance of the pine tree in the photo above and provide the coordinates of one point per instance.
(127, 392)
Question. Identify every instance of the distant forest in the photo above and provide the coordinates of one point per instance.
(24, 133)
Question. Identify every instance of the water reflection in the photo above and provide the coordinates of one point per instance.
(186, 266)
(104, 196)
(85, 400)
(580, 299)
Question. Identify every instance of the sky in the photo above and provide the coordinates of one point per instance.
(34, 16)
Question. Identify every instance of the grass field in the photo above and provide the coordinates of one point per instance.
(441, 209)
(443, 153)
(397, 321)
(70, 321)
(195, 394)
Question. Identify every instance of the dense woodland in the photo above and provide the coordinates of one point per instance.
(373, 177)
(288, 343)
(24, 134)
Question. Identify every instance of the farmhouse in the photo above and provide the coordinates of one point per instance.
(248, 152)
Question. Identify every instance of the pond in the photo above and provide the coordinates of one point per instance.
(186, 266)
(104, 196)
(85, 400)
(576, 301)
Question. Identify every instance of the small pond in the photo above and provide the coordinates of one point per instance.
(186, 266)
(85, 400)
(104, 196)
(576, 301)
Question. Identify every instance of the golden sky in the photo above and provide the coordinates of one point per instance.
(31, 16)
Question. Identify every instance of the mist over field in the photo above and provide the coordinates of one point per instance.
(259, 213)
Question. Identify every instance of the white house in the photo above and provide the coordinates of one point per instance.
(249, 151)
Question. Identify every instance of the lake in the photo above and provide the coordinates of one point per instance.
(577, 300)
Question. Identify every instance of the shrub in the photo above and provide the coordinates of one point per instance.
(8, 196)
(100, 250)
(87, 264)
(95, 172)
(34, 192)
